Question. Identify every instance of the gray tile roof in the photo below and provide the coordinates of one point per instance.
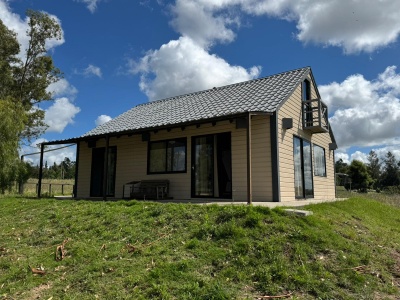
(258, 95)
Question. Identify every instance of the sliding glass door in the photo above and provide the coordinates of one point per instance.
(212, 166)
(203, 166)
(303, 180)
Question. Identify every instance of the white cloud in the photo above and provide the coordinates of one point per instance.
(19, 26)
(201, 23)
(90, 4)
(360, 156)
(102, 119)
(62, 88)
(182, 66)
(60, 114)
(92, 70)
(354, 25)
(343, 156)
(365, 113)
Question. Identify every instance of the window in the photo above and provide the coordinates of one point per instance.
(306, 90)
(167, 156)
(319, 161)
(307, 108)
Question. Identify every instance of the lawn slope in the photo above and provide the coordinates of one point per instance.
(141, 250)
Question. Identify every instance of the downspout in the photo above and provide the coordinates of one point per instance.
(275, 157)
(105, 168)
(249, 181)
(39, 193)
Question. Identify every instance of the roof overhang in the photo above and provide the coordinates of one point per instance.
(157, 128)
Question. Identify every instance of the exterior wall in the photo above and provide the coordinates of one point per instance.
(324, 187)
(132, 160)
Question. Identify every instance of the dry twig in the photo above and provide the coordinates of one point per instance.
(37, 271)
(132, 248)
(275, 297)
(60, 251)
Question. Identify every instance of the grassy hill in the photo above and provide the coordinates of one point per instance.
(141, 250)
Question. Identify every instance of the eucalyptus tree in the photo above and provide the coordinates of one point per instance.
(24, 81)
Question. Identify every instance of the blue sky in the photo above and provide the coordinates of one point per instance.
(116, 54)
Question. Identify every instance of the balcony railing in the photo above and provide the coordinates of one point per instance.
(315, 116)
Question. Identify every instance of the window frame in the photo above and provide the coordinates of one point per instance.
(166, 148)
(316, 167)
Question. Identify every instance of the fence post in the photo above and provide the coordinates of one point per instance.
(49, 189)
(62, 189)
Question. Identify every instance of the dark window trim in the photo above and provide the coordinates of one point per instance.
(183, 140)
(325, 175)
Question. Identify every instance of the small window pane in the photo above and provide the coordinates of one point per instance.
(319, 161)
(177, 154)
(157, 157)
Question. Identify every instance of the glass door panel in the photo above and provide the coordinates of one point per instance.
(303, 176)
(298, 173)
(308, 176)
(203, 166)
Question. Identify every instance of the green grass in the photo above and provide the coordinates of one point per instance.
(143, 250)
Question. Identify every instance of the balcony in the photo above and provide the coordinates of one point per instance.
(315, 116)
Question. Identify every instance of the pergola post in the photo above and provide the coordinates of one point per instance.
(39, 193)
(105, 169)
(249, 181)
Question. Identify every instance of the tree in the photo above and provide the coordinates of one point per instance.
(374, 168)
(9, 49)
(11, 124)
(341, 167)
(359, 176)
(23, 84)
(33, 76)
(390, 174)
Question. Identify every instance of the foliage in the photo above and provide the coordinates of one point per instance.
(23, 84)
(360, 178)
(143, 250)
(34, 75)
(341, 167)
(26, 81)
(391, 171)
(374, 168)
(11, 124)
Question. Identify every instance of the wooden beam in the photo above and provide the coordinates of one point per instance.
(39, 193)
(249, 183)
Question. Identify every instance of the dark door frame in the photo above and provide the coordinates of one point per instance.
(214, 163)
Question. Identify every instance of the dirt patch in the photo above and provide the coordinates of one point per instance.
(36, 292)
(396, 268)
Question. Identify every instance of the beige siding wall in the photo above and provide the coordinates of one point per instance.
(132, 160)
(324, 187)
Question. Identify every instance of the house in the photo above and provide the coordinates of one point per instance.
(266, 139)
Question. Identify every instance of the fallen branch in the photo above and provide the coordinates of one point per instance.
(60, 251)
(275, 297)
